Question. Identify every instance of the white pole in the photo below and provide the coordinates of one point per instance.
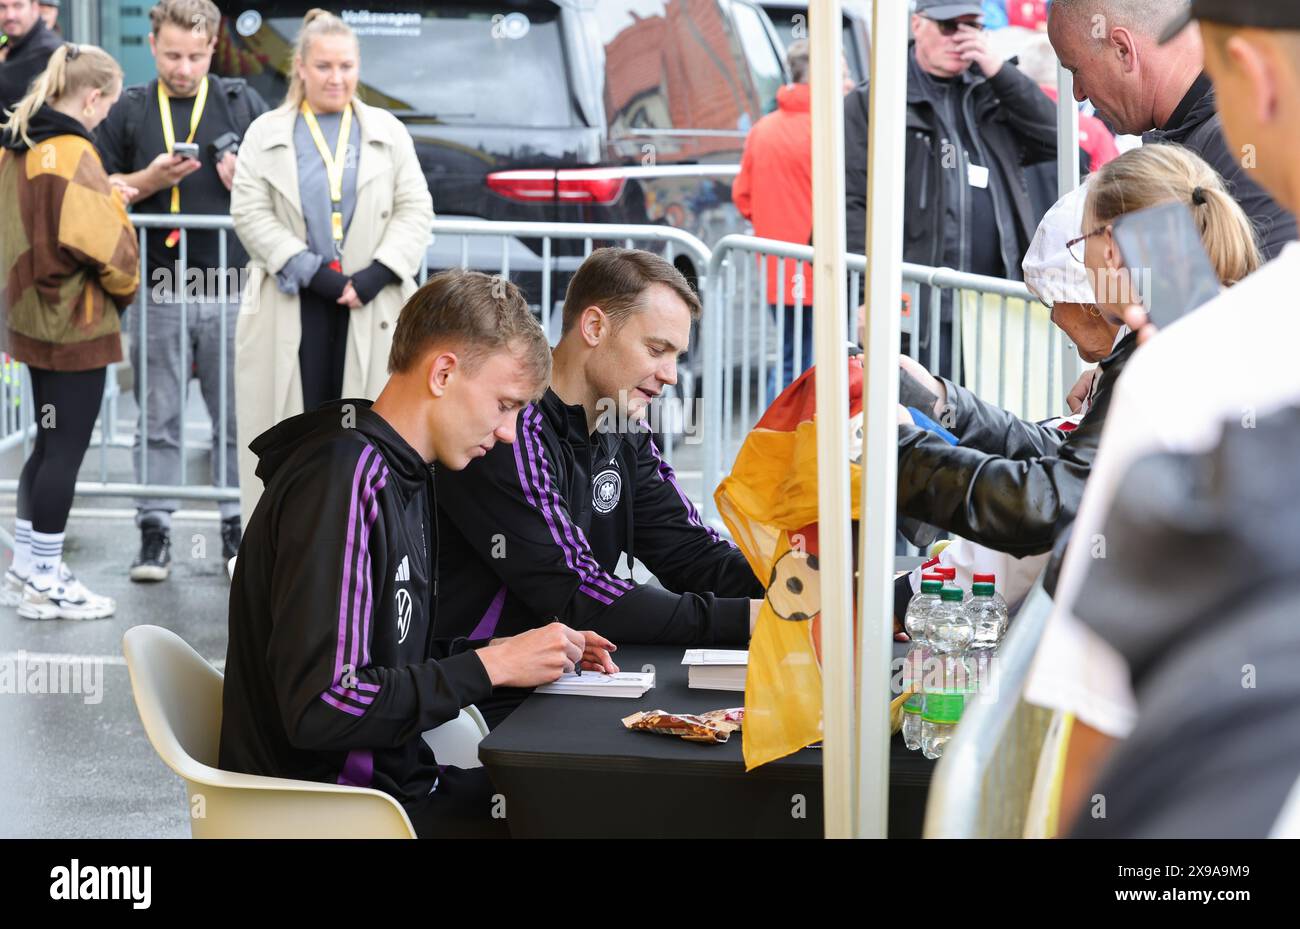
(889, 57)
(1067, 179)
(833, 500)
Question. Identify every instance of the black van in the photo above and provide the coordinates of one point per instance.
(616, 111)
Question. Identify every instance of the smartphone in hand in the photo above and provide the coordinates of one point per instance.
(186, 150)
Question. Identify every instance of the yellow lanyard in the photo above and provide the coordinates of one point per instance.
(333, 167)
(169, 133)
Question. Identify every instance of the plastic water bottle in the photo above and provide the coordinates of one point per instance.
(987, 617)
(948, 636)
(918, 612)
(1003, 611)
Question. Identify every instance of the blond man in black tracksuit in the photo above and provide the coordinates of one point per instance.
(333, 669)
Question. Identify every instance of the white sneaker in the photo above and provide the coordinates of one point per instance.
(67, 598)
(11, 589)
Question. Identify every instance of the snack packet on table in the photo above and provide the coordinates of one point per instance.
(713, 726)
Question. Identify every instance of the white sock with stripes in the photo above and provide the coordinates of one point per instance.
(47, 552)
(22, 564)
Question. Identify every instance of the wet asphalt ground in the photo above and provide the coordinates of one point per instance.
(78, 765)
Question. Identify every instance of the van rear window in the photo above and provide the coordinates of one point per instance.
(463, 64)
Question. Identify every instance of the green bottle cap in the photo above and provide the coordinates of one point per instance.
(951, 595)
(981, 590)
(931, 587)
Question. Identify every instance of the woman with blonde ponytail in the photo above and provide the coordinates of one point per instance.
(332, 206)
(68, 267)
(1147, 177)
(1013, 486)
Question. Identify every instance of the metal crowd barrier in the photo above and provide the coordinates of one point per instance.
(983, 784)
(492, 247)
(725, 374)
(744, 339)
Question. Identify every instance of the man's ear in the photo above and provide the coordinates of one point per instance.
(1125, 48)
(593, 325)
(443, 367)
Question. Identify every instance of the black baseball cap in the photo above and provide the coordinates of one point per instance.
(1259, 14)
(948, 9)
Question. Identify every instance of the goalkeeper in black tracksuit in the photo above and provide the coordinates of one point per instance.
(333, 669)
(536, 530)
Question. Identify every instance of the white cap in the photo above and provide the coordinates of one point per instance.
(1052, 274)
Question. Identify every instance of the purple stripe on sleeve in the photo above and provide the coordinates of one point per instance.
(367, 611)
(536, 482)
(488, 624)
(595, 594)
(352, 695)
(666, 473)
(362, 567)
(340, 705)
(347, 562)
(588, 568)
(530, 439)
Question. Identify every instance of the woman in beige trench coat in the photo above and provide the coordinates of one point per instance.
(390, 224)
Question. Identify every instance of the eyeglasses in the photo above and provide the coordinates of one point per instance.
(1078, 247)
(950, 27)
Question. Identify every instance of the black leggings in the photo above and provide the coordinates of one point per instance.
(67, 404)
(322, 349)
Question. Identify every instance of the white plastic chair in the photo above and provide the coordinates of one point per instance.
(178, 695)
(455, 743)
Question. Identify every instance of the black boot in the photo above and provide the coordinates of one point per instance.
(155, 558)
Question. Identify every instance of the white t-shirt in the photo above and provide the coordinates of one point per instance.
(1232, 361)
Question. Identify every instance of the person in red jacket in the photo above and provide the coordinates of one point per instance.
(774, 191)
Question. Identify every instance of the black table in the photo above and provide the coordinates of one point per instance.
(569, 769)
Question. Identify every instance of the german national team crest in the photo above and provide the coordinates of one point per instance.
(606, 490)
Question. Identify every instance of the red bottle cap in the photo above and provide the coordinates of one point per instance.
(985, 579)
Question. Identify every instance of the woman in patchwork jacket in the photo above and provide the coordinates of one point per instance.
(69, 265)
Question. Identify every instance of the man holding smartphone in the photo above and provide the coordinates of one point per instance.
(171, 145)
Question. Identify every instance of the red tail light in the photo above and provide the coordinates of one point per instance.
(578, 185)
(528, 186)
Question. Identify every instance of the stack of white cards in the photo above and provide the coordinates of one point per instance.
(716, 668)
(595, 684)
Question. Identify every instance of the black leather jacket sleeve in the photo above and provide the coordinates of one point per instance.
(1013, 505)
(991, 429)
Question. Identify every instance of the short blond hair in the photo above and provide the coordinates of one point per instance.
(475, 315)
